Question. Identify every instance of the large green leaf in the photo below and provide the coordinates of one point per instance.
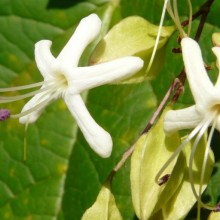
(33, 189)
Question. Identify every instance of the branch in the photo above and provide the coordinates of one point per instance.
(204, 13)
(203, 10)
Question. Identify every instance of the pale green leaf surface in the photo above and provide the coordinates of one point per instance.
(136, 33)
(214, 216)
(183, 200)
(139, 36)
(104, 207)
(151, 152)
(216, 38)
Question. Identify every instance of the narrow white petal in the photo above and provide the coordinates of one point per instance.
(44, 57)
(216, 51)
(199, 82)
(218, 124)
(37, 99)
(87, 30)
(99, 140)
(186, 118)
(109, 72)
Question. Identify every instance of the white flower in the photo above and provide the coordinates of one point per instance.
(204, 113)
(198, 117)
(63, 79)
(206, 110)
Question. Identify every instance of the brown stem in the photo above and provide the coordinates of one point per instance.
(130, 150)
(179, 85)
(160, 107)
(203, 10)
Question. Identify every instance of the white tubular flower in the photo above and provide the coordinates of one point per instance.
(63, 79)
(204, 113)
(206, 110)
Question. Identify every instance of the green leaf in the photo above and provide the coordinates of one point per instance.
(87, 172)
(212, 192)
(151, 152)
(214, 216)
(133, 36)
(216, 39)
(104, 207)
(172, 67)
(183, 199)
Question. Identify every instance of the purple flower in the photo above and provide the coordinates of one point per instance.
(4, 114)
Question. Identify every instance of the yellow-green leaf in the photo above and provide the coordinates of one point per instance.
(183, 200)
(104, 207)
(133, 36)
(216, 39)
(214, 216)
(151, 152)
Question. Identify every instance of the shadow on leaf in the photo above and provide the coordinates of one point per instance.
(62, 4)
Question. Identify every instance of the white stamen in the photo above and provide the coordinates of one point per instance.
(203, 170)
(190, 17)
(30, 94)
(175, 16)
(170, 11)
(195, 144)
(17, 88)
(191, 176)
(158, 36)
(178, 150)
(35, 108)
(208, 145)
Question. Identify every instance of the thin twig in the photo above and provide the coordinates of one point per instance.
(206, 8)
(130, 150)
(160, 107)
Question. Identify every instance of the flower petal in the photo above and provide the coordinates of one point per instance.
(99, 140)
(218, 124)
(181, 119)
(216, 51)
(199, 81)
(109, 72)
(44, 57)
(43, 98)
(88, 28)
